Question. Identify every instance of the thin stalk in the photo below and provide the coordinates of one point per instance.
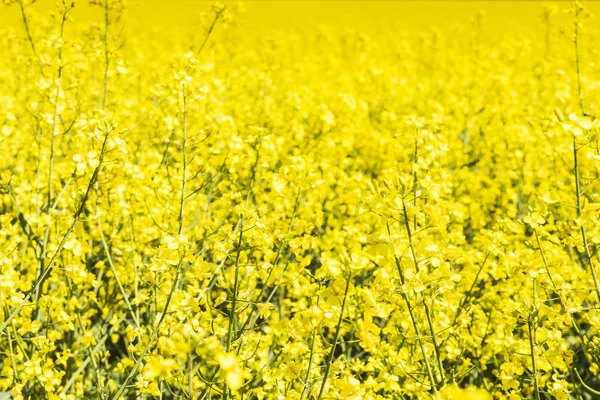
(154, 335)
(589, 389)
(562, 302)
(184, 152)
(95, 366)
(576, 163)
(310, 361)
(414, 323)
(250, 320)
(467, 297)
(415, 175)
(577, 182)
(547, 20)
(436, 346)
(136, 278)
(29, 38)
(234, 299)
(52, 144)
(409, 233)
(83, 366)
(106, 55)
(427, 311)
(532, 345)
(55, 112)
(190, 370)
(10, 347)
(591, 261)
(253, 171)
(546, 267)
(335, 339)
(210, 29)
(419, 337)
(53, 133)
(114, 271)
(583, 232)
(577, 61)
(12, 358)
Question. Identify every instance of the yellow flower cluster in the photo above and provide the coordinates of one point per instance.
(315, 215)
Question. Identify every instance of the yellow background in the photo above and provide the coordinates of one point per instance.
(363, 15)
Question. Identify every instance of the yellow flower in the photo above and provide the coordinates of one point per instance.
(156, 367)
(534, 220)
(452, 392)
(231, 370)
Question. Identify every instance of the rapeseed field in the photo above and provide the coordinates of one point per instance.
(227, 209)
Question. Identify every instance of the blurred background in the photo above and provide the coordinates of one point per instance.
(362, 15)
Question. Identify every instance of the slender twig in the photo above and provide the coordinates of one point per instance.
(29, 37)
(414, 321)
(53, 133)
(154, 335)
(589, 389)
(586, 247)
(335, 339)
(531, 321)
(210, 29)
(234, 299)
(467, 297)
(184, 154)
(106, 54)
(83, 366)
(577, 60)
(310, 361)
(427, 310)
(190, 367)
(251, 319)
(114, 271)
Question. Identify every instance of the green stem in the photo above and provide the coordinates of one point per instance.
(427, 311)
(532, 345)
(310, 360)
(414, 323)
(234, 299)
(184, 151)
(106, 55)
(29, 37)
(335, 339)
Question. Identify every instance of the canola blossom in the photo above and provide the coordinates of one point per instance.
(320, 214)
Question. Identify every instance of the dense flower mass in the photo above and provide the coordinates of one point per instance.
(317, 215)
